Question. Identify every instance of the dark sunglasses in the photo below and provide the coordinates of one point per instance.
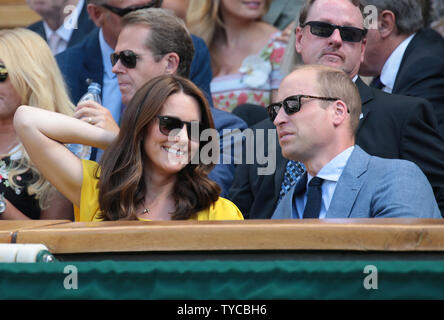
(3, 73)
(127, 57)
(167, 124)
(325, 30)
(291, 104)
(123, 11)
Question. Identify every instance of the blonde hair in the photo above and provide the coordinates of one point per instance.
(36, 78)
(204, 20)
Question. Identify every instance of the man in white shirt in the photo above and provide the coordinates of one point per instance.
(316, 122)
(65, 22)
(405, 57)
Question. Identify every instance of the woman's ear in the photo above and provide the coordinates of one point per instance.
(172, 63)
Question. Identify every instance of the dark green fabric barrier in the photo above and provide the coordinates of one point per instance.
(220, 280)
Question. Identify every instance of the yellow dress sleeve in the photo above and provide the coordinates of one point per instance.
(89, 199)
(222, 209)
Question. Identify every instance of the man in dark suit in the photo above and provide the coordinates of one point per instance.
(65, 22)
(391, 126)
(404, 57)
(90, 64)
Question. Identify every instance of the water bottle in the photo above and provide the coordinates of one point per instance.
(94, 92)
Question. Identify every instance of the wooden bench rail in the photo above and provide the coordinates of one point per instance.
(134, 236)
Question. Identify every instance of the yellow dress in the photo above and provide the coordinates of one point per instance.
(222, 209)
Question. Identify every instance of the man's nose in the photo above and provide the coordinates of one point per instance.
(281, 117)
(335, 37)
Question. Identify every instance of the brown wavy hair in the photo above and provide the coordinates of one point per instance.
(121, 183)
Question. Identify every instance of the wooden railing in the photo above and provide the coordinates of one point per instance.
(16, 13)
(63, 237)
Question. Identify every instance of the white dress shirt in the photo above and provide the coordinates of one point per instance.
(331, 173)
(391, 66)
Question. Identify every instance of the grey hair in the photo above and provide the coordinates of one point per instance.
(408, 13)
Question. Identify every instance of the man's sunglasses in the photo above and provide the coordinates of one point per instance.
(325, 30)
(167, 124)
(291, 104)
(127, 57)
(3, 73)
(123, 11)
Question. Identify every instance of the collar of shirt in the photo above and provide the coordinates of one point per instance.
(331, 173)
(106, 53)
(65, 30)
(391, 66)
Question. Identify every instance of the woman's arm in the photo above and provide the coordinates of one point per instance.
(12, 213)
(59, 208)
(43, 134)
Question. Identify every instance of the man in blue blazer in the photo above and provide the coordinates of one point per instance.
(316, 124)
(90, 63)
(73, 25)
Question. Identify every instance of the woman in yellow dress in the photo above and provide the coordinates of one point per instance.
(147, 172)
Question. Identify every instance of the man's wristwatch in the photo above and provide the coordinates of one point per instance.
(2, 204)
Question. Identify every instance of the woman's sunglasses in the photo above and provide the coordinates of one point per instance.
(167, 124)
(3, 73)
(291, 104)
(127, 57)
(325, 30)
(123, 11)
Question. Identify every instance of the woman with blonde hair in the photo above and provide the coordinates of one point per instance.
(245, 52)
(152, 170)
(28, 75)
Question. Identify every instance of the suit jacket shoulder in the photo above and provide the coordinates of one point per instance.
(81, 62)
(402, 127)
(421, 73)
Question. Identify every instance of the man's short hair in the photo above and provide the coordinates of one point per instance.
(303, 13)
(335, 83)
(168, 33)
(408, 14)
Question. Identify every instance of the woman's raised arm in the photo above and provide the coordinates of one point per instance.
(43, 134)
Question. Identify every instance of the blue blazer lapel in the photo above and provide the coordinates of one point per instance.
(349, 184)
(285, 208)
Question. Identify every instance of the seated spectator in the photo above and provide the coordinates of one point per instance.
(245, 55)
(405, 57)
(391, 126)
(162, 45)
(316, 122)
(28, 75)
(146, 172)
(62, 27)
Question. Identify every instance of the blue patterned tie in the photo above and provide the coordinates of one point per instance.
(292, 174)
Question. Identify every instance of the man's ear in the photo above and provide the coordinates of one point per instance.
(172, 63)
(387, 24)
(95, 13)
(340, 111)
(298, 39)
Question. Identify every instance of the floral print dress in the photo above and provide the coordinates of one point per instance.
(19, 196)
(258, 76)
